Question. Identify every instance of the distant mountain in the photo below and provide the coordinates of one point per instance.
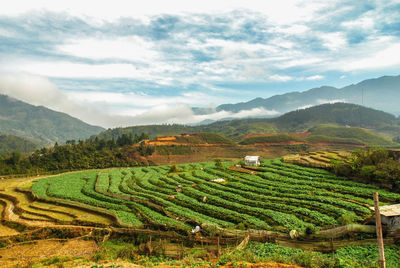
(341, 114)
(381, 93)
(39, 124)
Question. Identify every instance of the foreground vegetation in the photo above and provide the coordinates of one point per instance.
(120, 252)
(346, 257)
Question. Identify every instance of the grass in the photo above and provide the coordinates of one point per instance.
(351, 134)
(271, 139)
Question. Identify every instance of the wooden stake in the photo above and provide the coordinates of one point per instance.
(218, 247)
(382, 261)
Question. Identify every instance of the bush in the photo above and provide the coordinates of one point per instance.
(346, 219)
(173, 169)
(310, 230)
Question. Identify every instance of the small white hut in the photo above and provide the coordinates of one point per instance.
(390, 216)
(252, 160)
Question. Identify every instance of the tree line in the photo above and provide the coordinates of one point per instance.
(76, 155)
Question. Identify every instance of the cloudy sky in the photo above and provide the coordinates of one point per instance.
(137, 62)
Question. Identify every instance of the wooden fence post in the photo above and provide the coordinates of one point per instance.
(382, 261)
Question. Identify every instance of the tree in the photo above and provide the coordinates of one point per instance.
(218, 164)
(14, 158)
(173, 169)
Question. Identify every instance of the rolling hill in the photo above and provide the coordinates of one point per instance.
(323, 134)
(340, 114)
(40, 125)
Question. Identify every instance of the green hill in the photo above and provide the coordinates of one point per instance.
(39, 124)
(272, 139)
(203, 138)
(327, 133)
(340, 114)
(213, 138)
(232, 129)
(332, 133)
(9, 143)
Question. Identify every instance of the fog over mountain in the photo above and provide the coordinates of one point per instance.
(381, 93)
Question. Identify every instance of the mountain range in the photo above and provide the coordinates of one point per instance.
(40, 125)
(381, 93)
(26, 126)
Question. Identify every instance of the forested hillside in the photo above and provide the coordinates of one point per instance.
(41, 125)
(10, 143)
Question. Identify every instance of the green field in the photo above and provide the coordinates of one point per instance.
(278, 197)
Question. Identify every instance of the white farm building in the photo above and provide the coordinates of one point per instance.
(390, 216)
(252, 160)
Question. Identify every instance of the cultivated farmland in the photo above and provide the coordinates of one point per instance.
(277, 196)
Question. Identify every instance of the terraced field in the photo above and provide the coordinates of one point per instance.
(321, 159)
(19, 206)
(277, 196)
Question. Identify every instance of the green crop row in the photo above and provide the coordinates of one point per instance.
(279, 196)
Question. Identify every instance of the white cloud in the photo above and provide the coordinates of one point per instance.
(364, 23)
(334, 41)
(323, 101)
(296, 29)
(304, 107)
(386, 57)
(127, 48)
(280, 78)
(315, 77)
(183, 114)
(79, 70)
(7, 33)
(33, 89)
(299, 61)
(134, 99)
(237, 49)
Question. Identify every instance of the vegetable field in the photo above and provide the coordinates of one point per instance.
(276, 196)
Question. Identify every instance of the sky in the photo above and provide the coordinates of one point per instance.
(119, 63)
